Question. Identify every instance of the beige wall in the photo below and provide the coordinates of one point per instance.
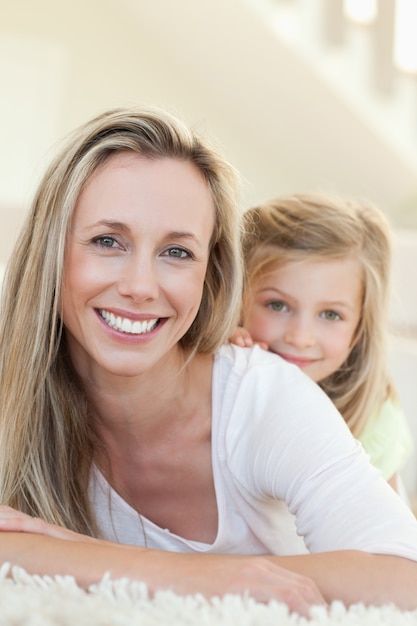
(210, 61)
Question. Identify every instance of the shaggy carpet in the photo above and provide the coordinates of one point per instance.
(42, 601)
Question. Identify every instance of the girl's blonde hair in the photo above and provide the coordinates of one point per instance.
(46, 445)
(321, 227)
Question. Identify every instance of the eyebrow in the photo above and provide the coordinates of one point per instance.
(121, 226)
(109, 224)
(325, 304)
(178, 234)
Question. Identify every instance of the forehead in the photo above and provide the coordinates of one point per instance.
(337, 276)
(129, 182)
(143, 169)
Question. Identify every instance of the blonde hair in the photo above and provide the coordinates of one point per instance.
(46, 443)
(322, 227)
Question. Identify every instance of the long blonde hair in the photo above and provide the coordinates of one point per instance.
(46, 444)
(323, 227)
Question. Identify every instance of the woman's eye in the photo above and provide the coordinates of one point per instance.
(330, 315)
(277, 306)
(178, 253)
(105, 242)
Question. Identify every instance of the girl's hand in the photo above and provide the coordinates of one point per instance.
(242, 337)
(14, 521)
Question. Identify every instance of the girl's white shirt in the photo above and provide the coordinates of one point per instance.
(289, 477)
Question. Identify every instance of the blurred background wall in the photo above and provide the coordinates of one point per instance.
(295, 93)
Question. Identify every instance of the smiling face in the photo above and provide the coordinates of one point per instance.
(307, 312)
(135, 263)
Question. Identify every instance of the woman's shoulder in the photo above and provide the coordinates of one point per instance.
(253, 359)
(263, 381)
(259, 368)
(266, 416)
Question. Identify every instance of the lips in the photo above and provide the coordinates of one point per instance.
(297, 360)
(128, 326)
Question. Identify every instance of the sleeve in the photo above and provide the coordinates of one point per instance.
(290, 443)
(387, 439)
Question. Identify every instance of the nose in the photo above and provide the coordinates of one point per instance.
(300, 333)
(139, 278)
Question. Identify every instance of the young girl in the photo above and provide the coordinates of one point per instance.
(316, 293)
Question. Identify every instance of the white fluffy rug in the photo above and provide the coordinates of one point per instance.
(41, 601)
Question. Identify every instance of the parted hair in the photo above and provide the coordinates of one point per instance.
(321, 227)
(46, 444)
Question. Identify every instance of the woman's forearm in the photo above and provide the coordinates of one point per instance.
(300, 581)
(354, 576)
(211, 575)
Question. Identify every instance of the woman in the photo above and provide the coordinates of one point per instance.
(145, 446)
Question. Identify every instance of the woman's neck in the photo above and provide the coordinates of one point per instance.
(147, 407)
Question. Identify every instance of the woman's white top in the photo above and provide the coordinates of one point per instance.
(289, 477)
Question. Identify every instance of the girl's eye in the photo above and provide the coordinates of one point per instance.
(178, 253)
(330, 315)
(278, 306)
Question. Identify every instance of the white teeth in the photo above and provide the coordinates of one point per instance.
(126, 325)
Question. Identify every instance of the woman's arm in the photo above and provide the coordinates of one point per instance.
(355, 576)
(299, 581)
(350, 576)
(362, 538)
(46, 549)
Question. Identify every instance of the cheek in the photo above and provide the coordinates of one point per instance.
(259, 324)
(339, 345)
(186, 290)
(83, 273)
(71, 294)
(72, 269)
(252, 319)
(82, 280)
